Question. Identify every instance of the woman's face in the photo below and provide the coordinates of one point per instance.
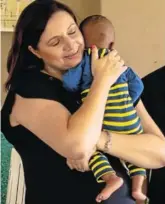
(61, 44)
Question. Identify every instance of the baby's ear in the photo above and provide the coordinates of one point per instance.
(111, 46)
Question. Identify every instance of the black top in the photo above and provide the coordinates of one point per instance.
(154, 100)
(47, 177)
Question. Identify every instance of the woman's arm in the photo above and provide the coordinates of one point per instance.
(72, 136)
(145, 150)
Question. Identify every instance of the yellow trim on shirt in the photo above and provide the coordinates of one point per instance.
(135, 170)
(98, 163)
(101, 169)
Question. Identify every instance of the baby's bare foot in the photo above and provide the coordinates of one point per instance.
(112, 184)
(138, 195)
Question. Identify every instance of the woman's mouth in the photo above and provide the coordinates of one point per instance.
(72, 55)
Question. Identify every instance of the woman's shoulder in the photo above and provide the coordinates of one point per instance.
(38, 85)
(34, 84)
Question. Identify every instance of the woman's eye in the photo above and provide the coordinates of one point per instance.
(72, 32)
(55, 43)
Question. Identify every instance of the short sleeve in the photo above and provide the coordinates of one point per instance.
(42, 86)
(135, 85)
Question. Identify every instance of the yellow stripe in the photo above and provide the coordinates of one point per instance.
(98, 163)
(120, 114)
(100, 180)
(130, 165)
(96, 153)
(85, 91)
(141, 131)
(94, 159)
(118, 107)
(118, 93)
(112, 88)
(119, 100)
(119, 86)
(136, 170)
(89, 51)
(127, 131)
(101, 169)
(103, 53)
(121, 124)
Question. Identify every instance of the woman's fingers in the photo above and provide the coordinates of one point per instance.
(69, 164)
(79, 165)
(122, 65)
(113, 53)
(75, 164)
(95, 54)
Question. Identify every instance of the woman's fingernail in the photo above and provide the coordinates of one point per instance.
(93, 46)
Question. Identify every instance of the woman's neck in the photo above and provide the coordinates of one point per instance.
(53, 72)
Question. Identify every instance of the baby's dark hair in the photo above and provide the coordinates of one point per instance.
(93, 19)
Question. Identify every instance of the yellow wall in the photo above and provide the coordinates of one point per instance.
(140, 31)
(83, 8)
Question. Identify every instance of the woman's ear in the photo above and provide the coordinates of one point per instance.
(35, 52)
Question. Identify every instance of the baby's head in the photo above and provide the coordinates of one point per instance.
(98, 30)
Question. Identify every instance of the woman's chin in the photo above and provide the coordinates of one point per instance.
(73, 63)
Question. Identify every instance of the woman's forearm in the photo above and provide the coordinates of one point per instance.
(86, 123)
(145, 150)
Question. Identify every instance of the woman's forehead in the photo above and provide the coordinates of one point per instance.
(58, 24)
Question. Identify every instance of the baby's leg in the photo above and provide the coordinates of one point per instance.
(103, 171)
(137, 187)
(138, 176)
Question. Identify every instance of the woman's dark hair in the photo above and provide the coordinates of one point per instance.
(28, 30)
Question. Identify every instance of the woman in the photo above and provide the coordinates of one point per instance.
(45, 123)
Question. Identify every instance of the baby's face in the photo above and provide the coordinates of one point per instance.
(100, 34)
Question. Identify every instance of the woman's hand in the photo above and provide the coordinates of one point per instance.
(111, 65)
(82, 164)
(79, 165)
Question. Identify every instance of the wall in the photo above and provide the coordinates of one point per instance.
(83, 8)
(140, 31)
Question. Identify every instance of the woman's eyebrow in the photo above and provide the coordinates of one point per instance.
(54, 37)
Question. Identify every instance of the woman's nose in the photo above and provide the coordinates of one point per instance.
(68, 44)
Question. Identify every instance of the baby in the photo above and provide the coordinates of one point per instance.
(120, 115)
